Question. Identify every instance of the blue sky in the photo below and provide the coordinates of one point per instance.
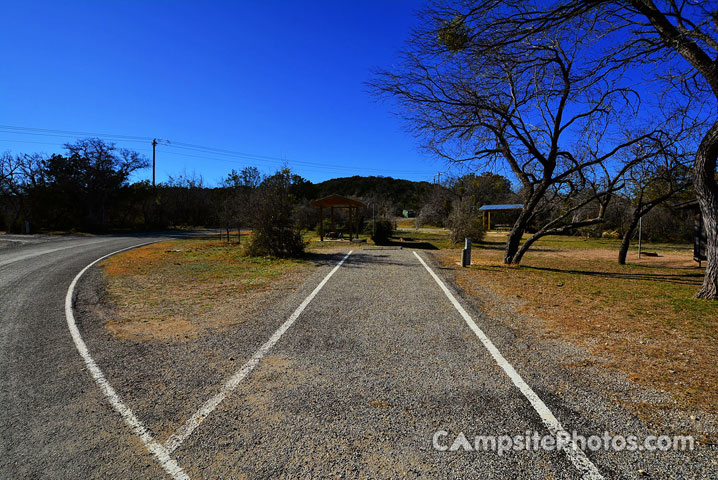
(280, 79)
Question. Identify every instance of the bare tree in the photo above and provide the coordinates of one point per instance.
(9, 173)
(650, 184)
(678, 43)
(238, 188)
(9, 168)
(474, 93)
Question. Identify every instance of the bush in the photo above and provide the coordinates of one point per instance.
(463, 222)
(275, 241)
(380, 230)
(272, 217)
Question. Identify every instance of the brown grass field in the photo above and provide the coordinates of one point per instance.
(641, 319)
(176, 289)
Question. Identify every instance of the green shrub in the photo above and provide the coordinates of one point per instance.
(275, 241)
(380, 230)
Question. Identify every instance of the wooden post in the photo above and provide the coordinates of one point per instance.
(321, 224)
(351, 230)
(332, 219)
(489, 227)
(357, 222)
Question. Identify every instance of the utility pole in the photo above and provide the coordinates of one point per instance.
(154, 144)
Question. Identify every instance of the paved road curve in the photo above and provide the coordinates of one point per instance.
(48, 421)
(377, 363)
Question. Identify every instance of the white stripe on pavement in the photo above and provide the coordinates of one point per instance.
(176, 439)
(159, 451)
(577, 457)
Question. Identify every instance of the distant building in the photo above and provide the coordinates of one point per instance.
(408, 213)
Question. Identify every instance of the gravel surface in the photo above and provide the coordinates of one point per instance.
(376, 364)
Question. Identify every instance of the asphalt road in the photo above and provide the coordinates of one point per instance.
(376, 364)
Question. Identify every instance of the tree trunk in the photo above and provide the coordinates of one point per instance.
(626, 242)
(707, 193)
(524, 248)
(512, 243)
(517, 232)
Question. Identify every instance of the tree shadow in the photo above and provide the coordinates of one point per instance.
(411, 243)
(677, 279)
(356, 259)
(501, 246)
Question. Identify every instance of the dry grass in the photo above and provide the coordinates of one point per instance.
(405, 223)
(640, 318)
(176, 289)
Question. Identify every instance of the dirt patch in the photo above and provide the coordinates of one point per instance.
(175, 290)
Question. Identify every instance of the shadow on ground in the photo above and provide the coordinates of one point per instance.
(678, 279)
(411, 243)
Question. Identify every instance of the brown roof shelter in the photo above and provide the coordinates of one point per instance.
(336, 201)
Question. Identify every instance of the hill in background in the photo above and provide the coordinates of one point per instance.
(403, 194)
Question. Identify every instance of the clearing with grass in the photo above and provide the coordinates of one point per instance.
(177, 289)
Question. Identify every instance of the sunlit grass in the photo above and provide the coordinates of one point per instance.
(641, 317)
(177, 288)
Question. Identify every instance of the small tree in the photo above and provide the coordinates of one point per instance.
(272, 217)
(464, 222)
(436, 210)
(237, 190)
(651, 184)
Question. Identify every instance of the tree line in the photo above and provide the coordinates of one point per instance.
(88, 189)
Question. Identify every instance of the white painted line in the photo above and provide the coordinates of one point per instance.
(176, 439)
(577, 457)
(159, 451)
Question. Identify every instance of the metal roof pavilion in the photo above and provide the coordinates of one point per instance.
(493, 208)
(512, 206)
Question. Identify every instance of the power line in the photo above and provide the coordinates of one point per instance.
(264, 158)
(57, 133)
(199, 148)
(307, 167)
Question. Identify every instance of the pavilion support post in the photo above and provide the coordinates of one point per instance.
(351, 230)
(332, 219)
(321, 224)
(357, 222)
(489, 227)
